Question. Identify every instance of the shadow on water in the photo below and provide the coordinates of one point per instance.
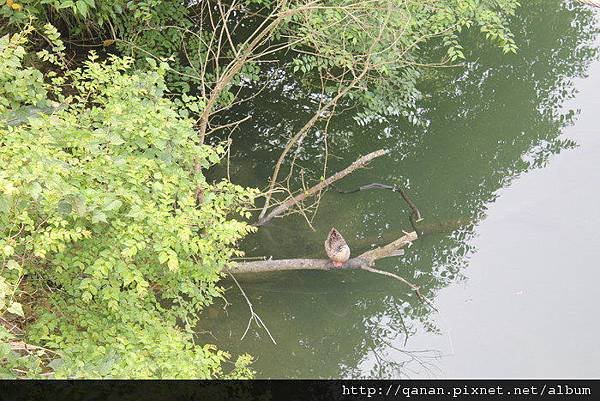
(483, 125)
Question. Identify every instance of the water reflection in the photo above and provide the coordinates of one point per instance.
(483, 126)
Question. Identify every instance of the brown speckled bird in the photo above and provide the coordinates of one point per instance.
(336, 248)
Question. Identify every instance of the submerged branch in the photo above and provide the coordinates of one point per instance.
(416, 213)
(253, 315)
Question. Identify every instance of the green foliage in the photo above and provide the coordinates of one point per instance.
(99, 218)
(331, 40)
(347, 36)
(168, 31)
(75, 13)
(18, 86)
(99, 213)
(156, 30)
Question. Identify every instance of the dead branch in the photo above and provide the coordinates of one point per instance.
(323, 109)
(259, 37)
(412, 286)
(364, 261)
(29, 348)
(284, 206)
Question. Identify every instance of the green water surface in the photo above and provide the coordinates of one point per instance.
(504, 168)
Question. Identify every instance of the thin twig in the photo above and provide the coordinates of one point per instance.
(284, 206)
(253, 315)
(414, 287)
(375, 185)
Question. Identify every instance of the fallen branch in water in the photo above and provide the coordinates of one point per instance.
(284, 206)
(367, 258)
(364, 261)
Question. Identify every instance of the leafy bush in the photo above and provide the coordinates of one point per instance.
(18, 86)
(75, 15)
(107, 258)
(331, 40)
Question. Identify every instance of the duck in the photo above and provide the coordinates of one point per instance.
(336, 248)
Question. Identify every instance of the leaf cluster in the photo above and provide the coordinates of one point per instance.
(99, 219)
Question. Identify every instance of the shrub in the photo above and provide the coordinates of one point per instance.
(106, 256)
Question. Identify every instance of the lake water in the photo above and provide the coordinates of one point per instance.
(506, 173)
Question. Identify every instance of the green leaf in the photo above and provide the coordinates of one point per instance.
(99, 216)
(112, 205)
(16, 309)
(82, 8)
(13, 265)
(36, 190)
(173, 264)
(56, 363)
(8, 250)
(64, 4)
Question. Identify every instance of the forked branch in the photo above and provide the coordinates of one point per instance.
(284, 206)
(364, 261)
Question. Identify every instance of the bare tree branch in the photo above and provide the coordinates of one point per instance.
(364, 261)
(284, 206)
